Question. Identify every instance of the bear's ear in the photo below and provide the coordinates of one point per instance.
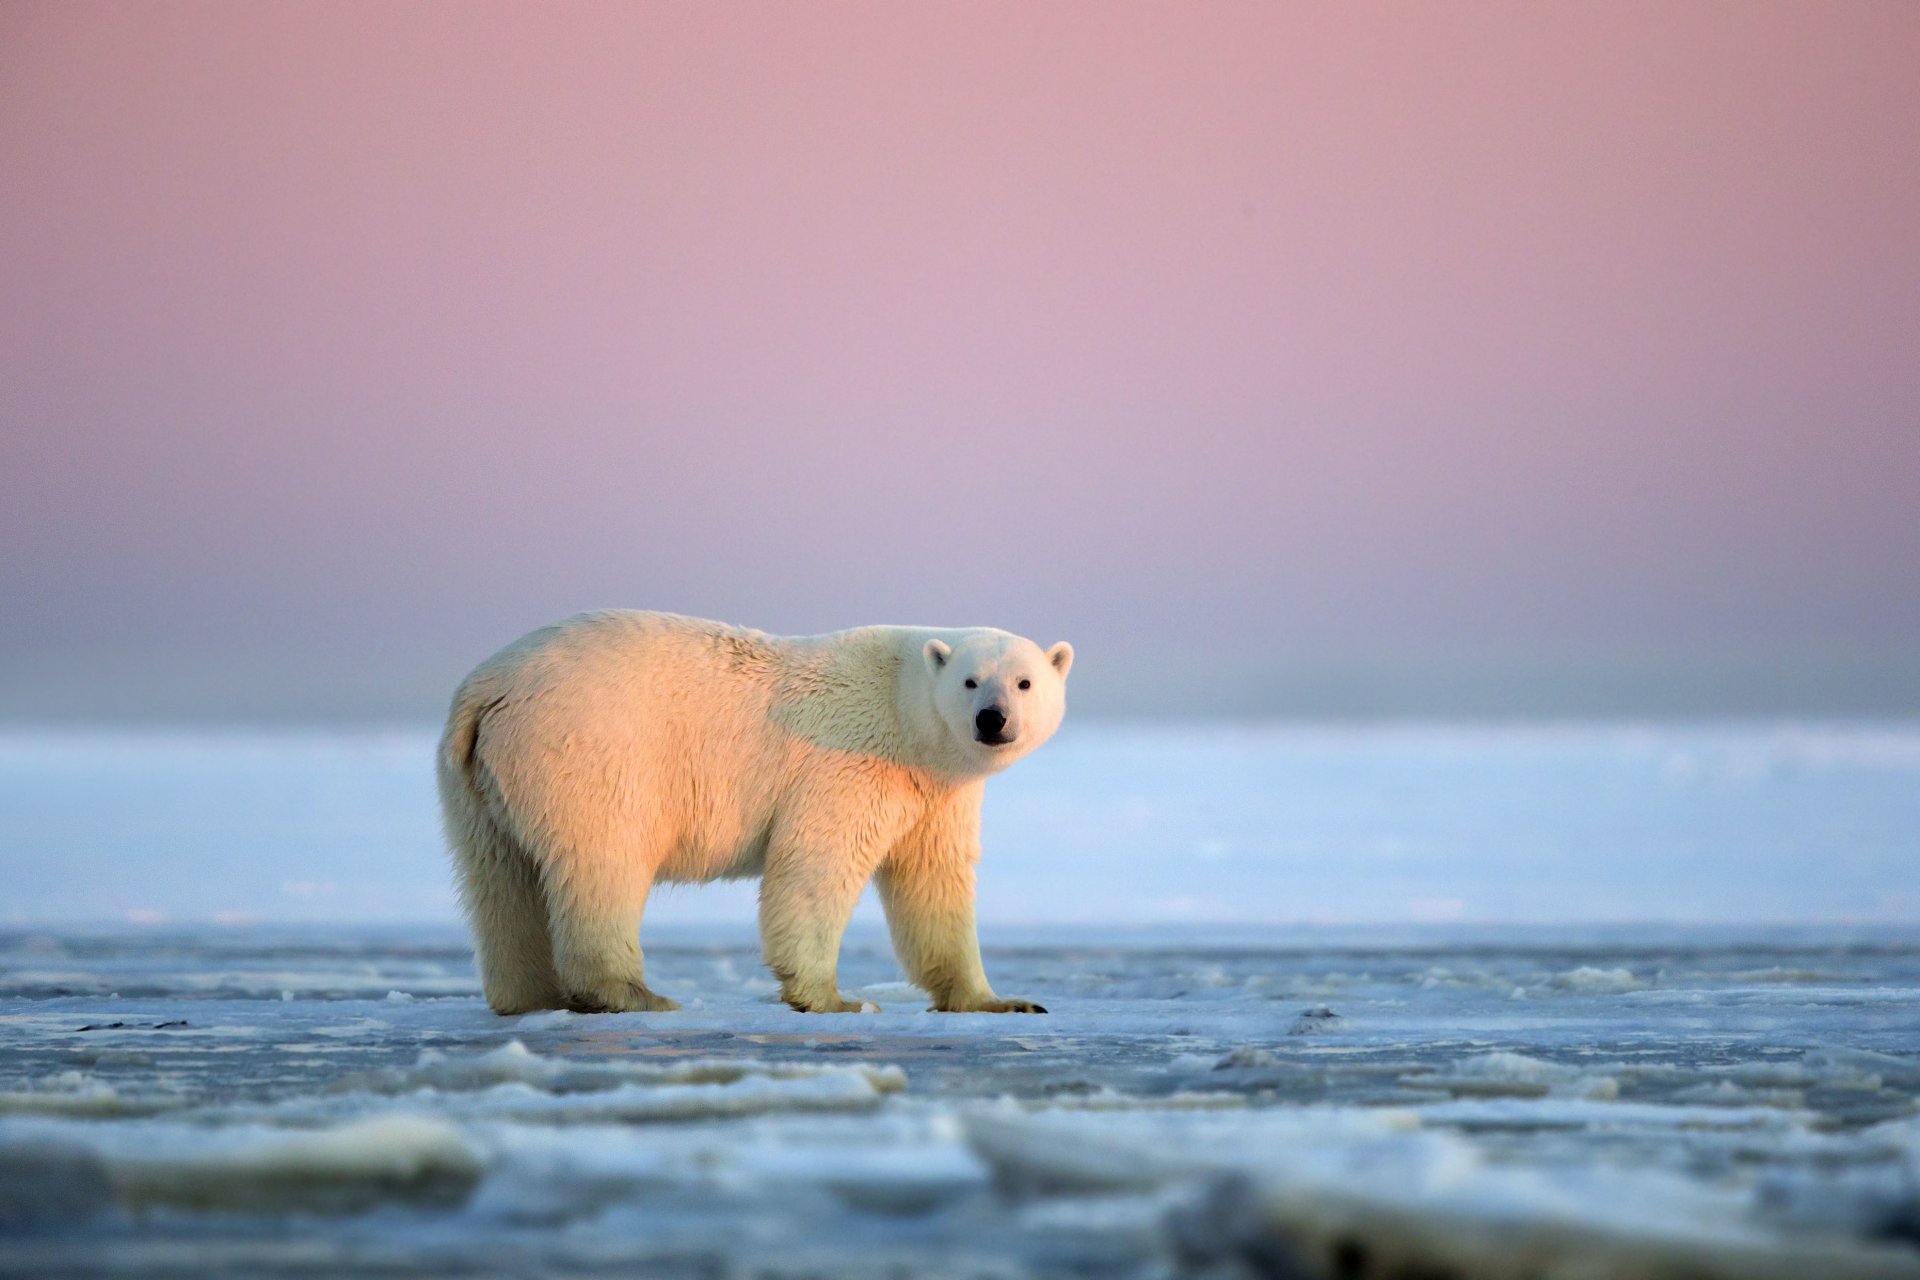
(1061, 656)
(937, 652)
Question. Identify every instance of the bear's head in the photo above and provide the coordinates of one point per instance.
(998, 696)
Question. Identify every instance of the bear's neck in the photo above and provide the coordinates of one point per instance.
(859, 694)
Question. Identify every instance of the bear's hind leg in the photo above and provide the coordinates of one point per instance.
(596, 946)
(500, 888)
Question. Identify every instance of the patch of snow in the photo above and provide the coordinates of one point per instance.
(1588, 978)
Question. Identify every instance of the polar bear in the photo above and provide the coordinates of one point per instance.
(594, 757)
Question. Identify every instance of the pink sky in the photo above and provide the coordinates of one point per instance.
(1480, 357)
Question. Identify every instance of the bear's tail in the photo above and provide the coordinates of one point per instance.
(456, 759)
(463, 730)
(475, 835)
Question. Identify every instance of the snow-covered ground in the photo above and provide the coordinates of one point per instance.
(1107, 825)
(1466, 1067)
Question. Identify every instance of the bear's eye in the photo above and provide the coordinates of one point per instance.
(972, 683)
(1026, 684)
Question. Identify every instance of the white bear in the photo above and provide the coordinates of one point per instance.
(594, 757)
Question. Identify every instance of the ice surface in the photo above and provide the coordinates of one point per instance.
(1165, 1119)
(1324, 1001)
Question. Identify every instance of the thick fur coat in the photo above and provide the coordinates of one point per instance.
(592, 758)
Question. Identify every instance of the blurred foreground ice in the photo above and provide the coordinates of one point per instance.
(1673, 1102)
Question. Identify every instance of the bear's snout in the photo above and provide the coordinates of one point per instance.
(990, 727)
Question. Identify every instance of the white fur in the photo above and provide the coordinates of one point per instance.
(594, 757)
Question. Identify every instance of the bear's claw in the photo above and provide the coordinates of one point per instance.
(992, 1006)
(629, 998)
(835, 1006)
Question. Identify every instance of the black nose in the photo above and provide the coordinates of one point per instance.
(990, 722)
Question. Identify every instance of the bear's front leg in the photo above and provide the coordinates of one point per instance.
(803, 913)
(817, 864)
(927, 888)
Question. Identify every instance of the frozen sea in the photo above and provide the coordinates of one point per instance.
(1569, 1001)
